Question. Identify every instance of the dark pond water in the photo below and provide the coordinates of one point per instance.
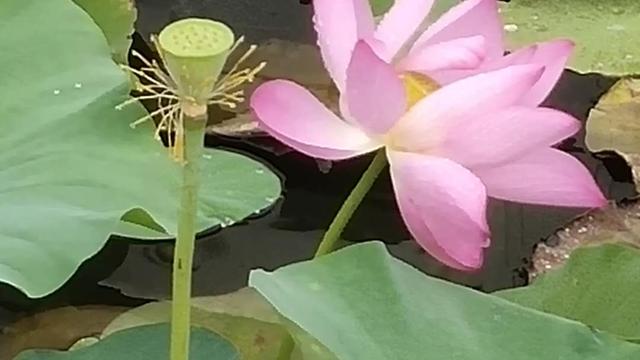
(126, 273)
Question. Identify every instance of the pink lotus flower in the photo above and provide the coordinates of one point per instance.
(477, 137)
(465, 40)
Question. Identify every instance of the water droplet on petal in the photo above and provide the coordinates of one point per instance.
(259, 171)
(269, 199)
(535, 17)
(511, 27)
(207, 156)
(628, 57)
(77, 85)
(56, 92)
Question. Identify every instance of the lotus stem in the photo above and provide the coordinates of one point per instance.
(351, 204)
(183, 254)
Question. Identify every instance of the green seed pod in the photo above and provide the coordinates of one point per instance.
(194, 52)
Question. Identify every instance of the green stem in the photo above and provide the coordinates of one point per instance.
(183, 253)
(351, 204)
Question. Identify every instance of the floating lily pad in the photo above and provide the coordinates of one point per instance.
(70, 165)
(142, 343)
(598, 286)
(605, 32)
(242, 317)
(233, 187)
(614, 123)
(116, 19)
(363, 304)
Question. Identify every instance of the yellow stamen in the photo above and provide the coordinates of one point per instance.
(151, 115)
(418, 86)
(160, 87)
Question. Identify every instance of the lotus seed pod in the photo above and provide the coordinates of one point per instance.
(194, 52)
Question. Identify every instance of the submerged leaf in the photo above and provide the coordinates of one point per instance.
(56, 329)
(300, 63)
(605, 33)
(363, 304)
(288, 60)
(142, 343)
(598, 286)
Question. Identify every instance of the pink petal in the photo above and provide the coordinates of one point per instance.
(291, 114)
(545, 177)
(520, 57)
(431, 119)
(553, 55)
(400, 23)
(443, 205)
(469, 18)
(375, 94)
(496, 138)
(339, 24)
(461, 53)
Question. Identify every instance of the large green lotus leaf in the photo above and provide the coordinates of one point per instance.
(116, 19)
(598, 286)
(149, 342)
(606, 33)
(240, 317)
(362, 303)
(70, 165)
